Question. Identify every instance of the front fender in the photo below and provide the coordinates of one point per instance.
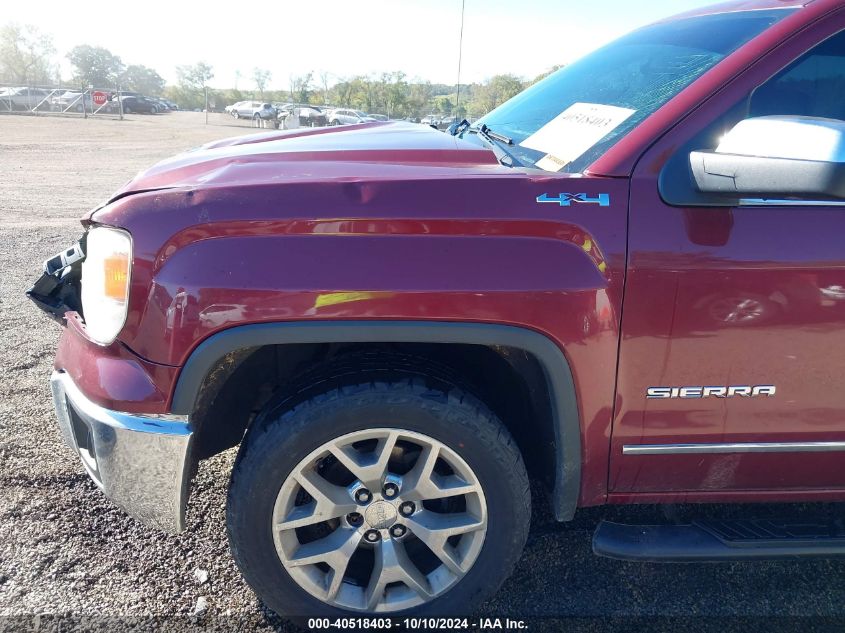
(387, 242)
(210, 285)
(560, 383)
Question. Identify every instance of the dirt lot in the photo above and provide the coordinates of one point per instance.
(66, 553)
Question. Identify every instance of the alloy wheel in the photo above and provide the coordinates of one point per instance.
(379, 520)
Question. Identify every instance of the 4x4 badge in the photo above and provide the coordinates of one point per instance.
(566, 199)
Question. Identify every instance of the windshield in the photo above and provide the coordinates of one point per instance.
(566, 121)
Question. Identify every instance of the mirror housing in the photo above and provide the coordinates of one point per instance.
(775, 157)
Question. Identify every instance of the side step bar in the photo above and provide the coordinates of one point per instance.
(721, 540)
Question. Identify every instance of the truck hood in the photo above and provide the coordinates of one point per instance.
(383, 149)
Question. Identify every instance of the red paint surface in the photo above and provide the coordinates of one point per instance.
(469, 244)
(685, 265)
(395, 221)
(112, 376)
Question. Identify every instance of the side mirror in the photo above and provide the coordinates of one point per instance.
(775, 157)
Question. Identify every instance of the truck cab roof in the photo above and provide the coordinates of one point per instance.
(735, 6)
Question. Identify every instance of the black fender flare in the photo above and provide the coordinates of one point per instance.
(564, 405)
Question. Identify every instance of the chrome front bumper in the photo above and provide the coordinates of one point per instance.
(139, 461)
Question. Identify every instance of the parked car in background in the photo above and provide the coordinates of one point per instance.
(139, 104)
(114, 96)
(445, 122)
(344, 116)
(171, 104)
(379, 117)
(266, 111)
(309, 115)
(70, 101)
(24, 99)
(161, 104)
(74, 101)
(232, 109)
(438, 121)
(252, 110)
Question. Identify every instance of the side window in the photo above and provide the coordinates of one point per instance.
(813, 85)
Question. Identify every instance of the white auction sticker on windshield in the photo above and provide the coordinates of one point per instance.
(573, 132)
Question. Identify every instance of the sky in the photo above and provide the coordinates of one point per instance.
(343, 37)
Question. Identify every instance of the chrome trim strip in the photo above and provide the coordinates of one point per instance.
(763, 202)
(739, 447)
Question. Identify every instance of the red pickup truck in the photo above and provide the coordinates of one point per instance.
(627, 282)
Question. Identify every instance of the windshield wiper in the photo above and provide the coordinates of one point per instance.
(495, 141)
(484, 129)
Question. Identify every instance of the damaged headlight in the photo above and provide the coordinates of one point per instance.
(106, 271)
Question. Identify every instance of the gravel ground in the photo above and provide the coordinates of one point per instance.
(70, 560)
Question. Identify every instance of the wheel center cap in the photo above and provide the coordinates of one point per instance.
(380, 515)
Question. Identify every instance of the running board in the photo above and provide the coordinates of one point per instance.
(751, 539)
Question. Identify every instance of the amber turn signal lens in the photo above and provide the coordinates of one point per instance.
(116, 269)
(106, 274)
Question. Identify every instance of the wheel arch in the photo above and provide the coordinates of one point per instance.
(236, 343)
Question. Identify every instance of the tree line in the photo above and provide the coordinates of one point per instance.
(27, 57)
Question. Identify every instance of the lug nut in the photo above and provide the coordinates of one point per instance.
(398, 530)
(354, 518)
(407, 509)
(390, 490)
(372, 536)
(363, 496)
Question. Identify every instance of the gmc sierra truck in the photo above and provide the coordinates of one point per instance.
(627, 282)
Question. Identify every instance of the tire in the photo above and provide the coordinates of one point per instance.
(335, 122)
(127, 110)
(470, 441)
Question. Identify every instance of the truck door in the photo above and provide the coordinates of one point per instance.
(720, 300)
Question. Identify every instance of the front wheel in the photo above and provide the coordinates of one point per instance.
(382, 497)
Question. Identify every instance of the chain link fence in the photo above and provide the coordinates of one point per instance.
(78, 101)
(62, 100)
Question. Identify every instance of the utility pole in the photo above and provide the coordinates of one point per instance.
(460, 53)
(119, 102)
